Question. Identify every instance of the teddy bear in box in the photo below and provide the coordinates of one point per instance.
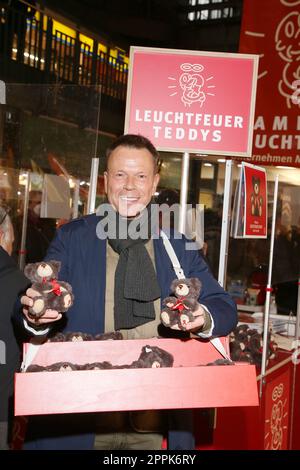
(150, 357)
(53, 294)
(79, 336)
(179, 310)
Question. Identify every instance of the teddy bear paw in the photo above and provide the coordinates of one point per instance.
(37, 308)
(165, 317)
(184, 320)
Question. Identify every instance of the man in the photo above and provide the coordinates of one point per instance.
(40, 231)
(134, 275)
(12, 282)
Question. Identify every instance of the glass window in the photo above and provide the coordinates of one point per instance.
(202, 13)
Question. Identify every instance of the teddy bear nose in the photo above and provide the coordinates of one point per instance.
(43, 265)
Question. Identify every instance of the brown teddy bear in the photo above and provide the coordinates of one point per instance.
(54, 294)
(78, 336)
(179, 310)
(154, 357)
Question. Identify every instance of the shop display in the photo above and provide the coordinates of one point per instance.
(120, 375)
(246, 344)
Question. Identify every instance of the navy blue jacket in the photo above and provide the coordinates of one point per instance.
(83, 257)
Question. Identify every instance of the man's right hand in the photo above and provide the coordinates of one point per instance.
(48, 317)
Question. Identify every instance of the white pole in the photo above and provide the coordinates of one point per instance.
(2, 92)
(94, 167)
(184, 190)
(269, 289)
(22, 252)
(93, 186)
(75, 199)
(225, 224)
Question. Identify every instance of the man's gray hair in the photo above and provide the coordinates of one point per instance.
(5, 222)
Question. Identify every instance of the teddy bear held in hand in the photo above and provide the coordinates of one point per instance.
(179, 310)
(54, 294)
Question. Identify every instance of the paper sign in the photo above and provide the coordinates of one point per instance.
(55, 198)
(192, 101)
(250, 204)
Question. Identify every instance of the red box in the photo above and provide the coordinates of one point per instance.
(186, 385)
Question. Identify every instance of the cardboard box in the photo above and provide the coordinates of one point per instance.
(186, 385)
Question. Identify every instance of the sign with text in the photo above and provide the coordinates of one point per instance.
(255, 202)
(250, 203)
(274, 34)
(191, 101)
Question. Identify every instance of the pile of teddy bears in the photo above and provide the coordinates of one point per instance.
(79, 336)
(246, 345)
(150, 357)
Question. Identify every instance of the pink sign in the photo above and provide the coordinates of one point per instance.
(192, 101)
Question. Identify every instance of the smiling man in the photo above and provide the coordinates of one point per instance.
(118, 283)
(131, 178)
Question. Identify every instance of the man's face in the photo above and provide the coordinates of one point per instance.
(130, 180)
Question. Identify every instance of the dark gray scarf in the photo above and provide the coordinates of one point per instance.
(136, 285)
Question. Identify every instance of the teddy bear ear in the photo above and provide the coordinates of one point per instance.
(196, 283)
(175, 284)
(29, 270)
(56, 265)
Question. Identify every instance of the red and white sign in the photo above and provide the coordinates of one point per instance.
(192, 101)
(255, 202)
(250, 204)
(272, 29)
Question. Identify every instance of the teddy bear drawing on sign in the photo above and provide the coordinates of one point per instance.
(179, 310)
(256, 199)
(53, 294)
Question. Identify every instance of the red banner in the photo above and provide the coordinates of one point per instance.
(271, 28)
(277, 408)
